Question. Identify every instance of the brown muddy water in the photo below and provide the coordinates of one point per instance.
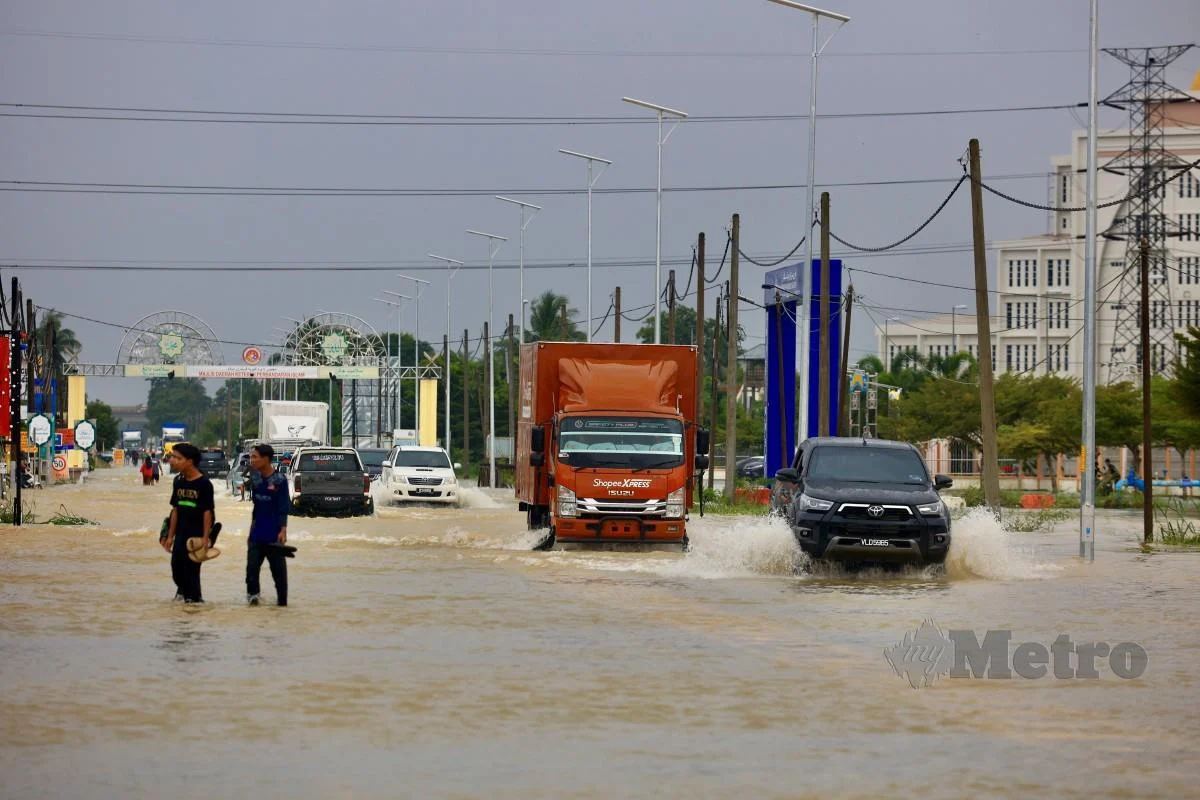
(428, 652)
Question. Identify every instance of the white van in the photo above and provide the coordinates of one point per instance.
(414, 474)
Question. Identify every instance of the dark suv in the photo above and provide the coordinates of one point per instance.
(213, 464)
(863, 500)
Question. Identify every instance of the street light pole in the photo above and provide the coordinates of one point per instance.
(954, 327)
(1087, 470)
(680, 115)
(806, 315)
(397, 306)
(421, 284)
(449, 277)
(521, 251)
(590, 183)
(494, 244)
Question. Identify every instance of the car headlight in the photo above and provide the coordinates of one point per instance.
(809, 503)
(566, 502)
(675, 503)
(930, 509)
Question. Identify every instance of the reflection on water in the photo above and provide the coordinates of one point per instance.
(432, 644)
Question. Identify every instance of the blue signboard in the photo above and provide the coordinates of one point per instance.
(833, 346)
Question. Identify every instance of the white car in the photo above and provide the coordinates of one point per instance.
(419, 475)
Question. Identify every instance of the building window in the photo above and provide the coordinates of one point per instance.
(1188, 185)
(1064, 184)
(1008, 358)
(1008, 315)
(1189, 270)
(1189, 227)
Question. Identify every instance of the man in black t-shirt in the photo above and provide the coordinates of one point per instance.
(192, 510)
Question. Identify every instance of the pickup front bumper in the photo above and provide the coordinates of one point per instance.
(833, 536)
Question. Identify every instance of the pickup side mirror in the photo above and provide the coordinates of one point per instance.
(702, 461)
(386, 465)
(702, 441)
(942, 482)
(457, 465)
(788, 474)
(537, 439)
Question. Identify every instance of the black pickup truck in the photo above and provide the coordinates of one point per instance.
(330, 481)
(863, 500)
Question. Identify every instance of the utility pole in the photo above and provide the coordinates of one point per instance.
(31, 339)
(671, 307)
(1147, 373)
(731, 364)
(700, 326)
(466, 400)
(987, 401)
(617, 315)
(512, 386)
(712, 405)
(843, 426)
(823, 359)
(14, 400)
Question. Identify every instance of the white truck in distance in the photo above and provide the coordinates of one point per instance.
(298, 421)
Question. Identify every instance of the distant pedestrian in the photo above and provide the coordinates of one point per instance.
(156, 472)
(192, 513)
(268, 524)
(147, 472)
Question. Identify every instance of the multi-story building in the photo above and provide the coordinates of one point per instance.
(1037, 312)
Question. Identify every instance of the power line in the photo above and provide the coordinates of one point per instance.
(1132, 193)
(129, 114)
(770, 264)
(556, 52)
(81, 187)
(904, 239)
(717, 275)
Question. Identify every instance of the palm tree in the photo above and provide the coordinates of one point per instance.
(53, 362)
(546, 319)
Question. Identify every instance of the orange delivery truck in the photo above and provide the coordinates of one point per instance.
(608, 446)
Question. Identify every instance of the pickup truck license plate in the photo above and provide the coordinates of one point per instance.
(875, 542)
(329, 499)
(422, 491)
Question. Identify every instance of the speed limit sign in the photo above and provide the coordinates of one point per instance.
(59, 464)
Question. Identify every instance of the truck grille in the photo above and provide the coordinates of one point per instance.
(417, 481)
(607, 507)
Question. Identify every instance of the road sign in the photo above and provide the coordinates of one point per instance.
(85, 435)
(40, 429)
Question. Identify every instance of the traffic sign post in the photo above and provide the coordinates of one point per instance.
(40, 430)
(85, 435)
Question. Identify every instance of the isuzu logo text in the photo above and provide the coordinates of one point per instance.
(627, 483)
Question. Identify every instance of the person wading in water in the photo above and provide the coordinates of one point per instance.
(192, 510)
(268, 524)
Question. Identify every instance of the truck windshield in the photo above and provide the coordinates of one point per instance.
(421, 458)
(867, 465)
(621, 442)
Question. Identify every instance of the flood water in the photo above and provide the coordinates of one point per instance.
(428, 652)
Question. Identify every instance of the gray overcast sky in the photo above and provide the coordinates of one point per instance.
(133, 55)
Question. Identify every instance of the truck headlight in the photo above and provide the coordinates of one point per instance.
(810, 503)
(566, 502)
(675, 503)
(930, 509)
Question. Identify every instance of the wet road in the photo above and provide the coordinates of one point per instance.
(427, 652)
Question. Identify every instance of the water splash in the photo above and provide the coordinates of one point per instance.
(982, 548)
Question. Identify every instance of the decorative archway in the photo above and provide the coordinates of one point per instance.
(334, 339)
(170, 337)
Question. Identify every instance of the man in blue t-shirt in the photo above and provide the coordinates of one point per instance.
(268, 524)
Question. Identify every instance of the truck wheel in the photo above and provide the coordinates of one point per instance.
(547, 543)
